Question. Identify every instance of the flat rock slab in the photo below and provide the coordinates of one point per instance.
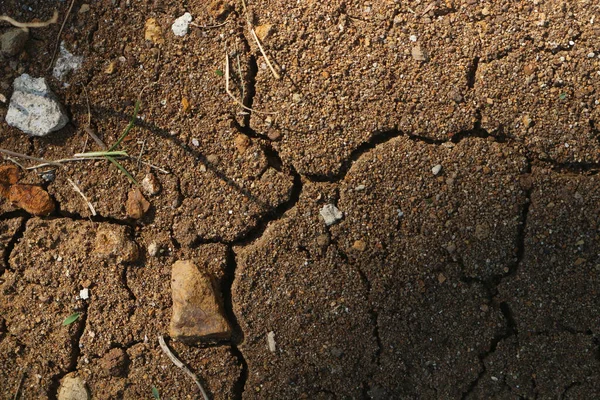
(295, 287)
(556, 285)
(430, 70)
(542, 366)
(349, 72)
(148, 366)
(470, 212)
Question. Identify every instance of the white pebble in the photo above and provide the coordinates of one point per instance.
(153, 249)
(181, 24)
(591, 55)
(413, 38)
(436, 170)
(84, 294)
(195, 142)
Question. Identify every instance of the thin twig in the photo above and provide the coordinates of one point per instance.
(164, 171)
(231, 94)
(12, 160)
(179, 364)
(208, 26)
(19, 386)
(275, 74)
(241, 78)
(59, 33)
(78, 190)
(64, 160)
(19, 155)
(26, 25)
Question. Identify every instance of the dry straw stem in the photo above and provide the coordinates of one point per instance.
(78, 190)
(59, 33)
(26, 25)
(262, 51)
(231, 94)
(275, 74)
(179, 364)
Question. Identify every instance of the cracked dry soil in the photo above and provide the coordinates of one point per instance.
(478, 281)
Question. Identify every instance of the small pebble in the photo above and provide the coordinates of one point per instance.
(153, 249)
(84, 8)
(195, 142)
(359, 245)
(84, 294)
(413, 38)
(436, 170)
(150, 184)
(271, 341)
(331, 214)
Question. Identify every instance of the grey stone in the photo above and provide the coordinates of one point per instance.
(13, 41)
(33, 107)
(331, 214)
(65, 63)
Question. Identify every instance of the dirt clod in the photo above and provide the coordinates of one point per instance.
(114, 362)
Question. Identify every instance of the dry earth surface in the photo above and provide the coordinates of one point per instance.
(458, 141)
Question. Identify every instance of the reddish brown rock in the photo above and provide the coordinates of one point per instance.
(136, 205)
(33, 199)
(197, 310)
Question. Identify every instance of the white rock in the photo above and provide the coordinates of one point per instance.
(436, 170)
(271, 341)
(33, 107)
(65, 63)
(84, 294)
(153, 249)
(331, 214)
(181, 24)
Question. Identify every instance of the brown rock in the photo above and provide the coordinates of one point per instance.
(110, 68)
(263, 31)
(114, 362)
(242, 142)
(33, 199)
(197, 310)
(153, 31)
(136, 205)
(9, 174)
(359, 245)
(112, 241)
